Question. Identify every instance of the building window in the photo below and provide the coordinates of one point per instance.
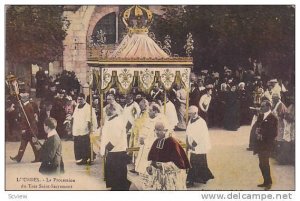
(108, 26)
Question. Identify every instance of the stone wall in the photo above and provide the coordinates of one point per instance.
(74, 56)
(82, 24)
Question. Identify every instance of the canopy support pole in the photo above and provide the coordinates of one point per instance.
(101, 118)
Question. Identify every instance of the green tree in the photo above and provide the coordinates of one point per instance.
(34, 34)
(228, 35)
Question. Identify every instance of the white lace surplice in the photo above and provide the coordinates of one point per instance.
(169, 178)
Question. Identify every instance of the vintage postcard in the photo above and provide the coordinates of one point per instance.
(150, 97)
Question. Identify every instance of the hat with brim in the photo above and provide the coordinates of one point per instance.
(204, 71)
(241, 84)
(273, 81)
(216, 75)
(209, 86)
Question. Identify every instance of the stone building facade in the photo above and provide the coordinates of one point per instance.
(84, 20)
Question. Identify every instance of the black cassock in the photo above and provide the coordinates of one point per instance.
(116, 171)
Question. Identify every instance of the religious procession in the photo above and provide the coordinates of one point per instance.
(119, 111)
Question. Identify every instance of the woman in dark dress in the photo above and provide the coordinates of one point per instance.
(232, 110)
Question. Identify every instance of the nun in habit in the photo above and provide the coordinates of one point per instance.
(198, 143)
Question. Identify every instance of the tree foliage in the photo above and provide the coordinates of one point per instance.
(34, 34)
(228, 35)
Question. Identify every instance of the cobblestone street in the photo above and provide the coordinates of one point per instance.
(233, 166)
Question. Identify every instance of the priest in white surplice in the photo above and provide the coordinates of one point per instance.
(130, 113)
(84, 123)
(113, 148)
(198, 143)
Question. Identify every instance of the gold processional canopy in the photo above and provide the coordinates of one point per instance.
(138, 58)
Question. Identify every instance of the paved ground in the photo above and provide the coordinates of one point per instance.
(234, 168)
